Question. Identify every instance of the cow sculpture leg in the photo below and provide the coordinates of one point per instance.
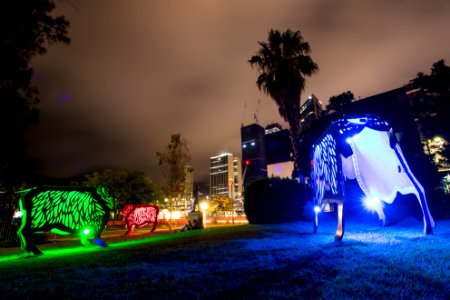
(428, 222)
(130, 230)
(340, 226)
(26, 240)
(316, 221)
(155, 224)
(84, 241)
(340, 215)
(381, 215)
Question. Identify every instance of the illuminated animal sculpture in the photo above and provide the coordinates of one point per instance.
(364, 148)
(140, 215)
(64, 210)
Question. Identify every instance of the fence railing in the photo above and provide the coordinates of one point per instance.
(8, 234)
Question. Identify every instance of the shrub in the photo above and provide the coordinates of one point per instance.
(275, 200)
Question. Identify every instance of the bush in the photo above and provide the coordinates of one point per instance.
(275, 200)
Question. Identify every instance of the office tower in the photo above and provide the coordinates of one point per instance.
(225, 176)
(253, 153)
(310, 110)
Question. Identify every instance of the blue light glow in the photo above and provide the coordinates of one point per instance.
(317, 209)
(353, 138)
(372, 204)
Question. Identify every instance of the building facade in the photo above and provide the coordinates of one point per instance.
(253, 153)
(310, 110)
(279, 153)
(266, 152)
(225, 176)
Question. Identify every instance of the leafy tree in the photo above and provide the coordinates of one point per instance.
(220, 203)
(127, 186)
(283, 62)
(174, 160)
(431, 101)
(27, 28)
(337, 103)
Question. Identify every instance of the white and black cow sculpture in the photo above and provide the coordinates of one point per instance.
(364, 148)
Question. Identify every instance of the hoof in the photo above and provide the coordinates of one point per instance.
(99, 242)
(34, 250)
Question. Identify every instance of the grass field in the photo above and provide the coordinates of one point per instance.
(242, 262)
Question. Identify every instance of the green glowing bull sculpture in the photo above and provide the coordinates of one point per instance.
(64, 210)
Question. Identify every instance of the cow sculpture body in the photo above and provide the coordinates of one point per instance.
(365, 149)
(64, 210)
(140, 215)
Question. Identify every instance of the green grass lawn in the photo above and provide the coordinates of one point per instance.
(242, 262)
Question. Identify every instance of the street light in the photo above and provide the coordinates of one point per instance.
(203, 208)
(231, 193)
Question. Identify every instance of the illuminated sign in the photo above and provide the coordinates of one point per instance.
(362, 148)
(64, 210)
(140, 215)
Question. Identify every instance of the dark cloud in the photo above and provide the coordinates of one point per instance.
(138, 71)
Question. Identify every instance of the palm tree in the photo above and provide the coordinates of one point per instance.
(283, 61)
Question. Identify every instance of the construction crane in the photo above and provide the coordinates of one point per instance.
(243, 114)
(255, 115)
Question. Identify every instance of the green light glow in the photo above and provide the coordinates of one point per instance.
(86, 231)
(71, 209)
(83, 250)
(60, 232)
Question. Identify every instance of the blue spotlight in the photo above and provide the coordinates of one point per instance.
(317, 209)
(371, 204)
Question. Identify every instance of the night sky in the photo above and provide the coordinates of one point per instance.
(138, 71)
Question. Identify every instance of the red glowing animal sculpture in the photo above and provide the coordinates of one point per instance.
(140, 215)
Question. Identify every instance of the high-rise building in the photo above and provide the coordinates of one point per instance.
(278, 152)
(253, 153)
(310, 110)
(237, 167)
(225, 176)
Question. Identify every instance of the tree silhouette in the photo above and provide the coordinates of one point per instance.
(174, 160)
(283, 62)
(431, 101)
(127, 186)
(26, 29)
(337, 103)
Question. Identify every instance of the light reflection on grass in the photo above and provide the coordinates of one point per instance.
(281, 261)
(85, 250)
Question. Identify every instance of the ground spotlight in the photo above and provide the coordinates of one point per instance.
(317, 209)
(371, 204)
